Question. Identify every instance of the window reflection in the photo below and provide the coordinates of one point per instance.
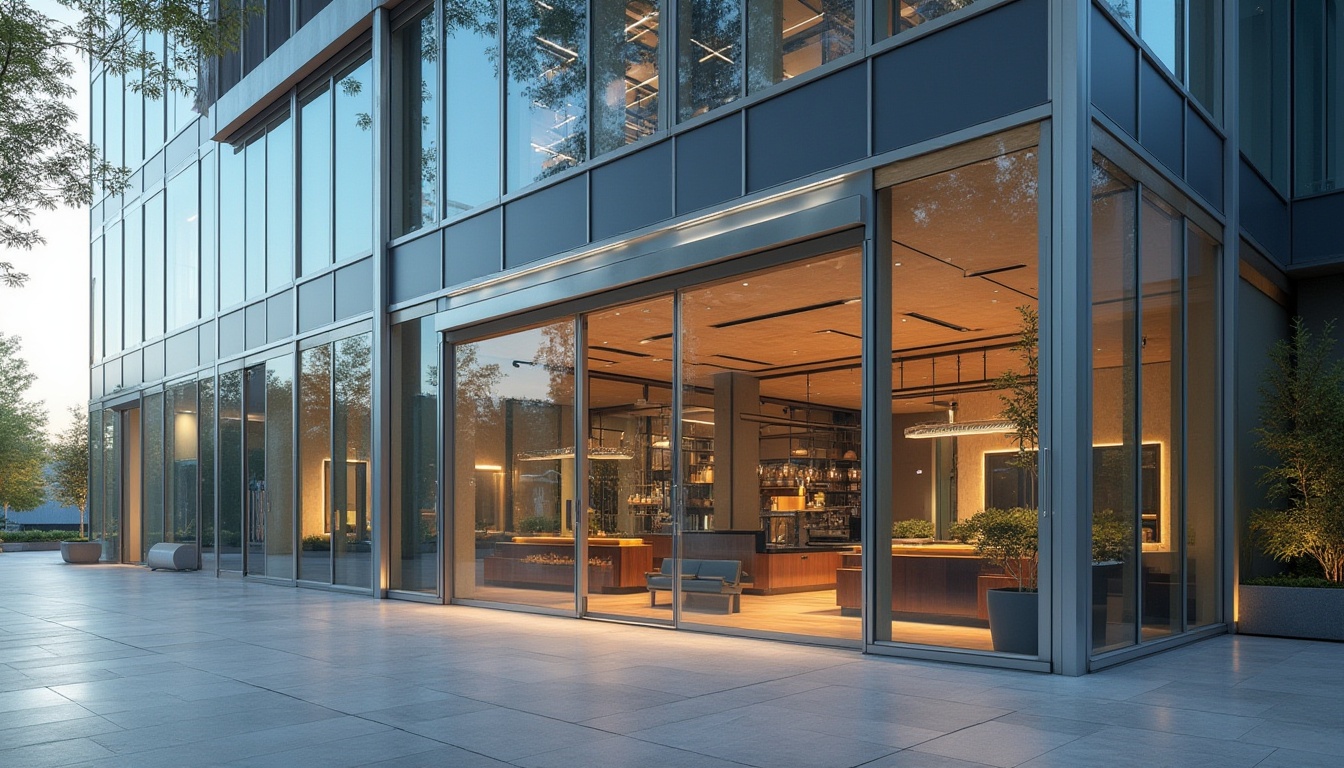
(354, 162)
(471, 104)
(547, 70)
(183, 270)
(415, 52)
(897, 16)
(315, 178)
(709, 55)
(626, 34)
(789, 37)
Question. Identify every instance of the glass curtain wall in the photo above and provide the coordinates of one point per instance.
(1318, 96)
(314, 460)
(1155, 415)
(112, 290)
(133, 265)
(112, 486)
(315, 167)
(152, 489)
(182, 462)
(279, 508)
(893, 17)
(205, 388)
(513, 478)
(280, 204)
(786, 38)
(964, 463)
(255, 514)
(183, 280)
(232, 170)
(154, 267)
(230, 431)
(353, 176)
(415, 72)
(626, 35)
(1263, 79)
(472, 115)
(96, 287)
(254, 218)
(351, 434)
(96, 503)
(414, 521)
(546, 109)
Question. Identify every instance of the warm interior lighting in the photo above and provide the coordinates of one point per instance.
(489, 468)
(961, 428)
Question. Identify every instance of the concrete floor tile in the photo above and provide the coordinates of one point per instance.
(1132, 748)
(506, 734)
(1323, 740)
(996, 743)
(908, 758)
(53, 753)
(622, 751)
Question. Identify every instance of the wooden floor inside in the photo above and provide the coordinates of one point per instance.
(808, 614)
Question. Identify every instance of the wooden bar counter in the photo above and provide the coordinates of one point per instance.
(630, 560)
(938, 579)
(768, 570)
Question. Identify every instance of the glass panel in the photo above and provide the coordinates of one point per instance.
(230, 471)
(133, 262)
(154, 108)
(629, 389)
(786, 38)
(255, 214)
(709, 55)
(181, 105)
(96, 502)
(112, 290)
(1115, 515)
(208, 234)
(254, 453)
(1318, 105)
(896, 16)
(471, 105)
(415, 111)
(231, 244)
(280, 205)
(132, 479)
(1202, 432)
(310, 8)
(206, 392)
(183, 252)
(152, 491)
(96, 284)
(1206, 55)
(1162, 351)
(154, 267)
(415, 523)
(351, 425)
(513, 447)
(626, 34)
(1263, 79)
(279, 504)
(315, 172)
(547, 90)
(135, 121)
(314, 461)
(97, 112)
(354, 162)
(181, 453)
(277, 24)
(113, 95)
(111, 533)
(1162, 27)
(965, 288)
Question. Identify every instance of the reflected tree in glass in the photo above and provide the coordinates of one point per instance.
(547, 72)
(626, 37)
(709, 55)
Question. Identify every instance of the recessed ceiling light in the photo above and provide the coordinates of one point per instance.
(744, 284)
(895, 263)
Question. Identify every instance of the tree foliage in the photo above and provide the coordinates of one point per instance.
(22, 443)
(1302, 426)
(1020, 393)
(68, 458)
(1006, 538)
(44, 161)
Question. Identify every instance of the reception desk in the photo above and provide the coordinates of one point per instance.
(926, 579)
(615, 565)
(767, 570)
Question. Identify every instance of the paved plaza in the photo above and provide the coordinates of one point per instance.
(117, 666)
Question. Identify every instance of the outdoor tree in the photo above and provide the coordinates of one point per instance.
(22, 443)
(44, 161)
(68, 457)
(1302, 426)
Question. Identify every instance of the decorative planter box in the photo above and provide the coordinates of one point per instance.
(81, 552)
(1302, 612)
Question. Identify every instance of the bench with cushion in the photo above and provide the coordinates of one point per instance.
(721, 578)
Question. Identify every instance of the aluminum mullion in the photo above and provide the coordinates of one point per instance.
(1135, 427)
(580, 516)
(675, 458)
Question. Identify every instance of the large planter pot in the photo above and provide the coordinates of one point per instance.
(1012, 620)
(81, 552)
(1303, 612)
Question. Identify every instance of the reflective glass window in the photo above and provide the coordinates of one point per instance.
(415, 143)
(208, 235)
(547, 89)
(133, 262)
(280, 205)
(626, 35)
(1202, 428)
(709, 55)
(415, 524)
(231, 224)
(893, 17)
(354, 161)
(96, 299)
(1318, 105)
(229, 406)
(96, 115)
(278, 506)
(152, 508)
(277, 24)
(254, 244)
(112, 290)
(183, 250)
(314, 463)
(315, 174)
(181, 456)
(112, 455)
(1160, 23)
(350, 487)
(134, 144)
(95, 501)
(1206, 54)
(471, 105)
(155, 109)
(206, 466)
(154, 267)
(1263, 79)
(786, 38)
(181, 105)
(114, 95)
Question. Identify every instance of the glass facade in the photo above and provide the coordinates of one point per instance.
(415, 111)
(352, 179)
(1318, 103)
(414, 524)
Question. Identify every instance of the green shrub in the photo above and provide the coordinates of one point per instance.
(21, 537)
(539, 524)
(1006, 538)
(912, 529)
(1112, 538)
(1293, 581)
(317, 543)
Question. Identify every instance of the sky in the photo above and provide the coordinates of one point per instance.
(51, 312)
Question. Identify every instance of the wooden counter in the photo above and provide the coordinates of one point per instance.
(768, 572)
(630, 560)
(930, 579)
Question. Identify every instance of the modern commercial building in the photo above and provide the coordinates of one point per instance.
(512, 304)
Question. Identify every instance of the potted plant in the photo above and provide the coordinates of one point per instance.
(1007, 539)
(1302, 427)
(913, 531)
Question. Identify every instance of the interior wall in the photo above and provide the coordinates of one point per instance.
(1108, 398)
